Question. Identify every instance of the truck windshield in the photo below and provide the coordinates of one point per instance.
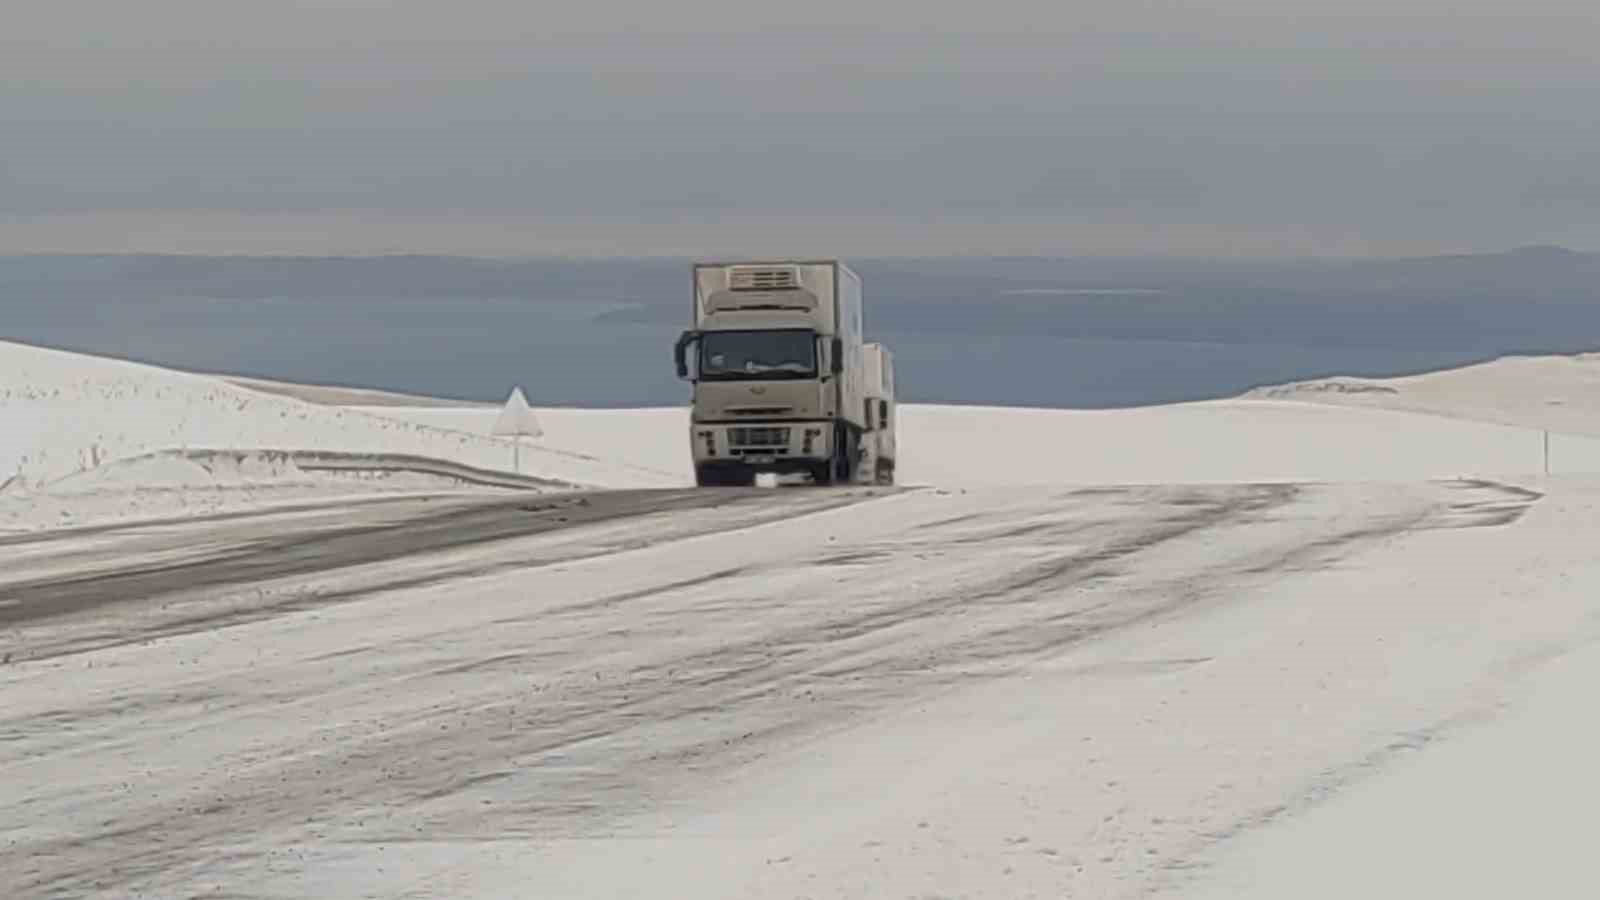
(757, 355)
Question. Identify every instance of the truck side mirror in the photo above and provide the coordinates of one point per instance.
(838, 355)
(678, 357)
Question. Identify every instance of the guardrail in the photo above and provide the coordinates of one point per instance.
(337, 461)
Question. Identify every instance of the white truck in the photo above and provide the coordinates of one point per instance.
(779, 371)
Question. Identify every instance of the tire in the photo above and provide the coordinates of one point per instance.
(841, 467)
(822, 474)
(845, 454)
(722, 476)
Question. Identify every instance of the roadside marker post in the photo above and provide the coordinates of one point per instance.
(517, 421)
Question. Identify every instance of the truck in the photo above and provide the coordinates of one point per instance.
(779, 372)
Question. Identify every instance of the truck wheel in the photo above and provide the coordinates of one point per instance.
(721, 476)
(844, 456)
(885, 472)
(724, 476)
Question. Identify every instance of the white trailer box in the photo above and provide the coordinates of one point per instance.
(881, 415)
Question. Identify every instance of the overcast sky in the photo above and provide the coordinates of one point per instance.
(1234, 127)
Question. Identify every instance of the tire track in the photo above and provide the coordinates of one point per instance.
(550, 740)
(614, 718)
(257, 560)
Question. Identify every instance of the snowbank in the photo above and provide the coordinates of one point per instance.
(185, 484)
(66, 414)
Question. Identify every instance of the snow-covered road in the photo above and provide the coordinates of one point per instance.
(997, 692)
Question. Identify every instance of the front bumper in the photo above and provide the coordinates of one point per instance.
(775, 445)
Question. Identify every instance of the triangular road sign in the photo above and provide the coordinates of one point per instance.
(517, 419)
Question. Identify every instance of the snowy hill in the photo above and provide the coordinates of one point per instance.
(85, 438)
(1560, 393)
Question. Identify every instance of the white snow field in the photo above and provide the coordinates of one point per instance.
(86, 439)
(1257, 648)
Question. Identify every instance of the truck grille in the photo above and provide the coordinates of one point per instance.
(771, 412)
(758, 437)
(752, 278)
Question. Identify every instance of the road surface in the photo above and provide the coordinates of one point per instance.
(859, 692)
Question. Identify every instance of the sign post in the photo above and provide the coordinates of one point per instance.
(517, 421)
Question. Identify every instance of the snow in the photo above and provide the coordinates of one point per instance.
(1493, 799)
(651, 440)
(911, 696)
(1499, 812)
(1559, 393)
(1329, 639)
(65, 414)
(174, 485)
(1228, 441)
(329, 395)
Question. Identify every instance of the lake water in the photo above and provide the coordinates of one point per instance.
(586, 344)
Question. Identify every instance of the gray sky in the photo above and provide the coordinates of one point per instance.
(1236, 127)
